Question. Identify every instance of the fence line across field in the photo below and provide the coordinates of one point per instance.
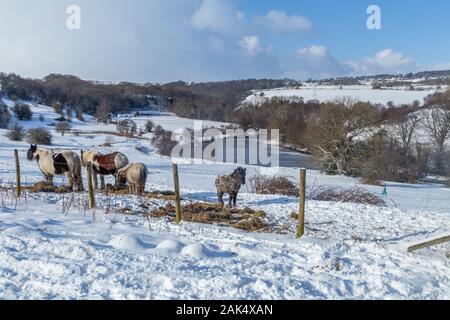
(302, 199)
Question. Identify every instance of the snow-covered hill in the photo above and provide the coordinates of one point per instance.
(350, 251)
(324, 93)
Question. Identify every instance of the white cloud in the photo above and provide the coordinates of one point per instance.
(279, 21)
(317, 62)
(314, 51)
(384, 61)
(314, 62)
(251, 45)
(192, 40)
(140, 40)
(217, 16)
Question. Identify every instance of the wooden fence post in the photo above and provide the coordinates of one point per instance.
(18, 184)
(301, 212)
(90, 187)
(95, 180)
(176, 184)
(429, 243)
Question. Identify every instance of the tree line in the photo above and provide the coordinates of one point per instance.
(69, 95)
(361, 139)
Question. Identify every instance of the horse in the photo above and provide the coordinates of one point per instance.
(103, 165)
(52, 163)
(135, 175)
(230, 184)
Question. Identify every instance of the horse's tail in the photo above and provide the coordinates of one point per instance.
(145, 175)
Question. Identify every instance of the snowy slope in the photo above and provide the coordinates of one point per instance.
(331, 93)
(349, 252)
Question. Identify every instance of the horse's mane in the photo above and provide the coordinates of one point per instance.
(124, 168)
(44, 150)
(237, 171)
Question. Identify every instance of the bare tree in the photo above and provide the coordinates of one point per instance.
(126, 127)
(58, 107)
(437, 124)
(62, 127)
(334, 135)
(405, 129)
(103, 112)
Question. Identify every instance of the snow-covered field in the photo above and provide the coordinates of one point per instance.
(364, 93)
(350, 251)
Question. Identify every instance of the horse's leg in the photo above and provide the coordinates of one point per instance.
(230, 199)
(49, 179)
(70, 179)
(220, 195)
(234, 199)
(102, 182)
(79, 181)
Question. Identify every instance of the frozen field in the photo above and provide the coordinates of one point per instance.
(330, 93)
(350, 251)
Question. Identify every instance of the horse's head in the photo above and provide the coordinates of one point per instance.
(31, 152)
(241, 173)
(84, 161)
(120, 176)
(86, 157)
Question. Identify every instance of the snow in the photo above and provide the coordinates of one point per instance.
(350, 251)
(171, 122)
(364, 93)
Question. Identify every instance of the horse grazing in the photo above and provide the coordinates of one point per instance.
(103, 165)
(53, 163)
(230, 184)
(135, 175)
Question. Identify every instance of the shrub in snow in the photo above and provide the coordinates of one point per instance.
(273, 185)
(16, 133)
(354, 195)
(126, 127)
(162, 141)
(62, 127)
(22, 111)
(39, 136)
(5, 117)
(149, 125)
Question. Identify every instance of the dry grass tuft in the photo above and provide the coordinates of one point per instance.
(273, 185)
(354, 195)
(201, 212)
(160, 195)
(45, 187)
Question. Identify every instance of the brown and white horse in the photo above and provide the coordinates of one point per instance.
(53, 163)
(103, 165)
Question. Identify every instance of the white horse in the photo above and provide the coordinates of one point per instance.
(53, 163)
(135, 175)
(103, 165)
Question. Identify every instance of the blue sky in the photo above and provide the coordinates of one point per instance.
(415, 27)
(203, 40)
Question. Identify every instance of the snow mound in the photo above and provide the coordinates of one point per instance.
(127, 242)
(170, 246)
(197, 250)
(22, 232)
